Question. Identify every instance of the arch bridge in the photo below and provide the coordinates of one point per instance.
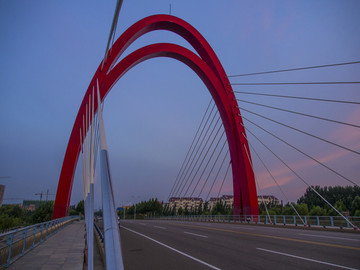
(209, 69)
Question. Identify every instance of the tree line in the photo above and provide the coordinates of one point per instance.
(345, 199)
(13, 216)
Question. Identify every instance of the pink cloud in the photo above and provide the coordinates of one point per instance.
(343, 135)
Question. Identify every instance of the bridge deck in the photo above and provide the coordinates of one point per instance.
(64, 250)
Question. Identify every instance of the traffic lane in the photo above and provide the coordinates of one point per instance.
(141, 253)
(285, 248)
(320, 237)
(197, 247)
(248, 250)
(342, 254)
(320, 251)
(340, 238)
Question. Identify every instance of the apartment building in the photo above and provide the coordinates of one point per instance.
(268, 199)
(191, 203)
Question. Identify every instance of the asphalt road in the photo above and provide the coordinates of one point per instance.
(150, 244)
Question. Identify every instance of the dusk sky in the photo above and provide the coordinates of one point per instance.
(50, 50)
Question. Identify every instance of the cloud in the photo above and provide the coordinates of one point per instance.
(343, 135)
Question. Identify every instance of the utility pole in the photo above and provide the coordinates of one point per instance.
(41, 194)
(47, 194)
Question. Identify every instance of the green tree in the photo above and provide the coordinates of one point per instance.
(206, 210)
(186, 212)
(219, 208)
(12, 216)
(339, 205)
(288, 210)
(44, 212)
(180, 211)
(355, 206)
(302, 209)
(199, 210)
(317, 211)
(80, 207)
(332, 195)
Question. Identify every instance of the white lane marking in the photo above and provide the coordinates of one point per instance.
(204, 236)
(333, 237)
(160, 227)
(173, 249)
(306, 259)
(142, 224)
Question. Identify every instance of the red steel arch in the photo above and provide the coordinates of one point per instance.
(208, 68)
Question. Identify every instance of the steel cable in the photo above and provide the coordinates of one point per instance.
(303, 132)
(297, 149)
(180, 182)
(217, 174)
(299, 113)
(212, 168)
(295, 97)
(222, 184)
(198, 168)
(297, 175)
(294, 83)
(187, 176)
(294, 69)
(269, 172)
(202, 120)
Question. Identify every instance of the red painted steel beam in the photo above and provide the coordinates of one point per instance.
(208, 68)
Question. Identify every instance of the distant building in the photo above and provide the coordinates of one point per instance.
(31, 204)
(2, 192)
(268, 199)
(226, 199)
(191, 203)
(212, 202)
(29, 207)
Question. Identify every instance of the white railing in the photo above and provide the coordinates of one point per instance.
(16, 243)
(309, 221)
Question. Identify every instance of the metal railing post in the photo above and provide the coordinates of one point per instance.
(24, 238)
(34, 235)
(41, 228)
(46, 231)
(9, 243)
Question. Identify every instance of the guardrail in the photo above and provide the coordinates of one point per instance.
(16, 243)
(319, 221)
(99, 237)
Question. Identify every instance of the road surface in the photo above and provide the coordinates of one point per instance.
(156, 244)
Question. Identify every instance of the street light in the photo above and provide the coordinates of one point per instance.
(134, 197)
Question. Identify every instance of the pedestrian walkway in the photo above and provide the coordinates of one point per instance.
(64, 250)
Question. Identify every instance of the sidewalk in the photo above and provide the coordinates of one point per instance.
(64, 250)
